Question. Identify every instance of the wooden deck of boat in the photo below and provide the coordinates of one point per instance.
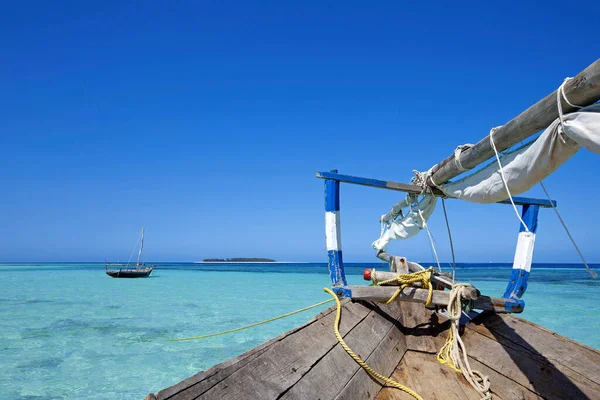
(523, 360)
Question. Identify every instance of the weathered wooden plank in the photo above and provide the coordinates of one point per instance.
(402, 376)
(204, 380)
(523, 360)
(383, 293)
(326, 379)
(276, 370)
(429, 379)
(582, 90)
(379, 276)
(424, 329)
(498, 305)
(439, 298)
(422, 373)
(384, 360)
(376, 183)
(523, 335)
(531, 371)
(398, 263)
(503, 387)
(471, 293)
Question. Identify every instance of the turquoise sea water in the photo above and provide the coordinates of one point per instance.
(70, 331)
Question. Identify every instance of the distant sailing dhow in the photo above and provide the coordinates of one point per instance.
(123, 270)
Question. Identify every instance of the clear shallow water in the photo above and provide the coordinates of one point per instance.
(70, 331)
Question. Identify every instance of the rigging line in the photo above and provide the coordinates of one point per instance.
(561, 93)
(504, 179)
(587, 267)
(431, 241)
(449, 237)
(133, 250)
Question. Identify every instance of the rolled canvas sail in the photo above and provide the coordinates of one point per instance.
(409, 225)
(529, 165)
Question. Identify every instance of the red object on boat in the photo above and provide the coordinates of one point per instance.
(367, 274)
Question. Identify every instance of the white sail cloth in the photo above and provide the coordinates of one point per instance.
(527, 166)
(410, 224)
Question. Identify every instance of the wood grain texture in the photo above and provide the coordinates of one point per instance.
(431, 380)
(537, 361)
(523, 360)
(284, 363)
(364, 339)
(205, 380)
(534, 340)
(439, 298)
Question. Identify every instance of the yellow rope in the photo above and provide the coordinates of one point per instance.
(356, 358)
(406, 280)
(445, 354)
(254, 324)
(454, 353)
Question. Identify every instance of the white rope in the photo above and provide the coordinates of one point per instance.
(587, 267)
(431, 241)
(421, 179)
(432, 181)
(457, 153)
(504, 179)
(561, 92)
(458, 350)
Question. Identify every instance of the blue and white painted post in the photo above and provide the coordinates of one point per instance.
(333, 235)
(524, 253)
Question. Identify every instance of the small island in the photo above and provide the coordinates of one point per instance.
(261, 260)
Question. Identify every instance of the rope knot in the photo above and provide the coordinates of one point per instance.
(454, 352)
(457, 153)
(407, 280)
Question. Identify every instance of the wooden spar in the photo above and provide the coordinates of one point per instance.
(376, 183)
(407, 188)
(582, 90)
(446, 282)
(469, 293)
(439, 298)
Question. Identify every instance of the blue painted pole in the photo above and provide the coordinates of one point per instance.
(517, 283)
(333, 232)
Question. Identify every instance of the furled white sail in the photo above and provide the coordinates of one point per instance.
(527, 166)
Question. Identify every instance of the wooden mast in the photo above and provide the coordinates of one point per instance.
(582, 90)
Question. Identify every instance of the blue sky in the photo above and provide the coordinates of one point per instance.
(206, 122)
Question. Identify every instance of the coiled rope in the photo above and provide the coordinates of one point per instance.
(454, 353)
(356, 358)
(406, 280)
